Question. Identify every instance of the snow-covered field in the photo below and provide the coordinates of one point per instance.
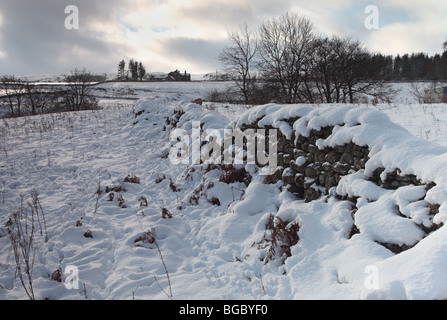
(166, 236)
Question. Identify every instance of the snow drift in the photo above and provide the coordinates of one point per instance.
(115, 204)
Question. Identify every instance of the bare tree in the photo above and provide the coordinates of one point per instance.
(299, 65)
(78, 95)
(363, 73)
(324, 71)
(342, 69)
(50, 100)
(33, 96)
(284, 45)
(13, 94)
(354, 59)
(239, 57)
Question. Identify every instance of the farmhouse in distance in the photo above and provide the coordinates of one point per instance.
(171, 76)
(178, 76)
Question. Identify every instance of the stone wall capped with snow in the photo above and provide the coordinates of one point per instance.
(396, 182)
(311, 172)
(350, 190)
(359, 155)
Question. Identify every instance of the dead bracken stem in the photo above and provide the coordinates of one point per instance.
(150, 237)
(167, 273)
(98, 193)
(35, 206)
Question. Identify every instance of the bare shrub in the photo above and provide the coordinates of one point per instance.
(279, 237)
(143, 201)
(231, 174)
(147, 237)
(35, 207)
(111, 196)
(22, 227)
(98, 194)
(173, 187)
(197, 193)
(57, 275)
(214, 201)
(165, 214)
(418, 92)
(121, 201)
(159, 179)
(133, 179)
(198, 101)
(118, 188)
(24, 251)
(88, 234)
(216, 96)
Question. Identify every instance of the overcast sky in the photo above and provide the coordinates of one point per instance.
(189, 34)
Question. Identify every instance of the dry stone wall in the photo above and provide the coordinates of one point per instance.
(311, 173)
(312, 166)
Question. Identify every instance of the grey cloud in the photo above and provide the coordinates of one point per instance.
(34, 38)
(232, 13)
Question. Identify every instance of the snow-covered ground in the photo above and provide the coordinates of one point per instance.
(203, 249)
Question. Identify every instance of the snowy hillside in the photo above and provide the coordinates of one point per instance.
(107, 201)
